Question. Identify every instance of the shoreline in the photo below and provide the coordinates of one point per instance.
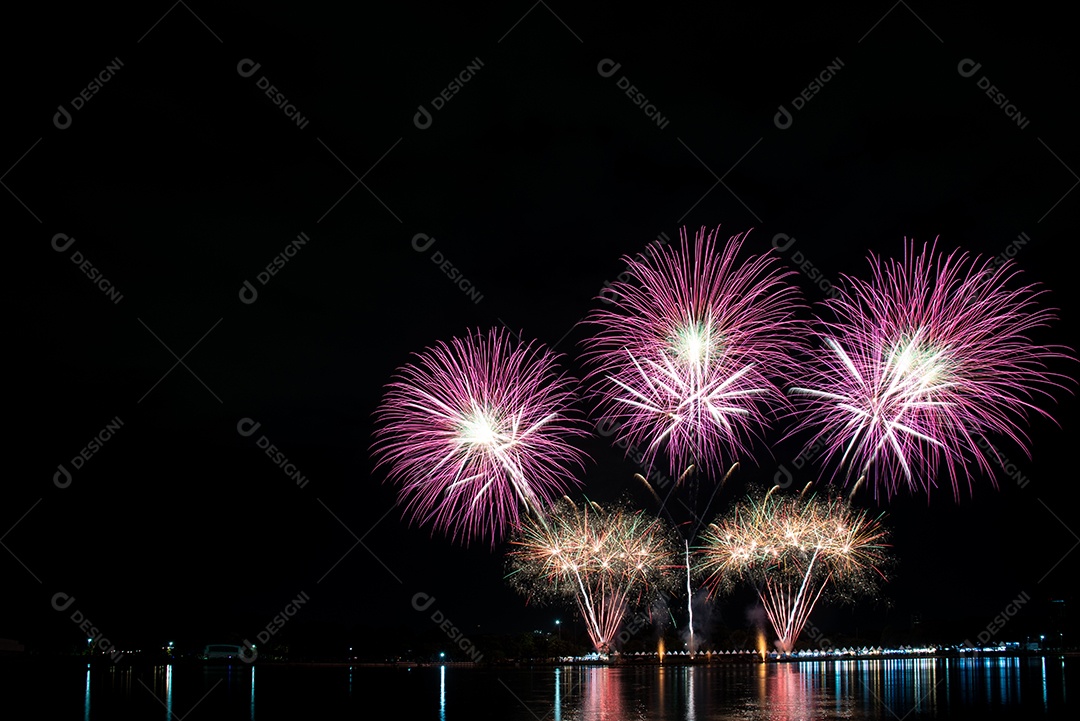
(705, 660)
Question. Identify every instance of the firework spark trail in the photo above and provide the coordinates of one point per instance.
(584, 599)
(794, 612)
(794, 548)
(689, 598)
(690, 359)
(605, 559)
(921, 360)
(477, 429)
(554, 549)
(686, 541)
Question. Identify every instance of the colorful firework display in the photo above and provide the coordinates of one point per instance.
(918, 364)
(606, 559)
(690, 355)
(923, 360)
(793, 548)
(475, 431)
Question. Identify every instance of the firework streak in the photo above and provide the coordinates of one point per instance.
(792, 548)
(607, 560)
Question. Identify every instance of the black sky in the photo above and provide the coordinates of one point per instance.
(180, 180)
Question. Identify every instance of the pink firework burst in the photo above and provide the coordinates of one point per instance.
(690, 355)
(478, 430)
(922, 362)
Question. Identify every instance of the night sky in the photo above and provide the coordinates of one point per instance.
(180, 180)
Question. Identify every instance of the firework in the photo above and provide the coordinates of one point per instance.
(689, 356)
(924, 360)
(794, 548)
(606, 560)
(477, 431)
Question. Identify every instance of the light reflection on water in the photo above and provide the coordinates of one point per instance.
(863, 690)
(86, 696)
(558, 694)
(442, 693)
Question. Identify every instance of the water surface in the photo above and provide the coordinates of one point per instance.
(999, 688)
